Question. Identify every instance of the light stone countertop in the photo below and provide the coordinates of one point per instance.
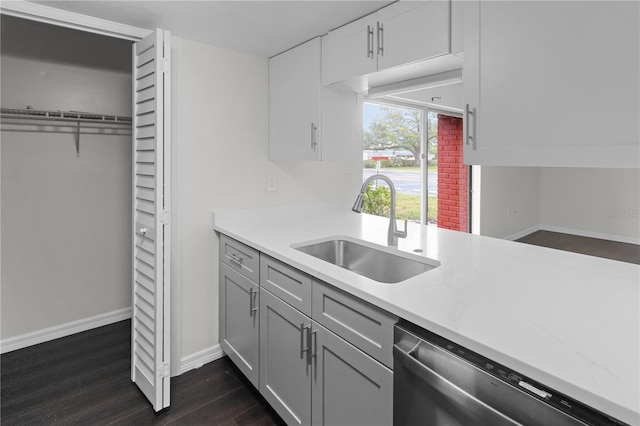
(569, 321)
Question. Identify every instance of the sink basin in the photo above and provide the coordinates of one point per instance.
(379, 264)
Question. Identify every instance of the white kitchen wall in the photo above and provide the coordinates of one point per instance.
(509, 201)
(600, 203)
(65, 221)
(593, 202)
(224, 165)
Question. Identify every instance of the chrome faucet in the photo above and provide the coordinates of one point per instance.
(392, 237)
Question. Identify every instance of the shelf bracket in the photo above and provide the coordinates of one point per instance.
(78, 139)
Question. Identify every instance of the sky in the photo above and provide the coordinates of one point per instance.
(369, 113)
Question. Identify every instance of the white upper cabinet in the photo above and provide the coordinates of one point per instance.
(410, 31)
(351, 51)
(294, 103)
(552, 83)
(399, 38)
(307, 121)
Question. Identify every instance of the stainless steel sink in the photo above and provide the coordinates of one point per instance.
(375, 263)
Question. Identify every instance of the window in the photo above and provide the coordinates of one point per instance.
(401, 141)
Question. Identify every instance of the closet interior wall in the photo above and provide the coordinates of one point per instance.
(65, 219)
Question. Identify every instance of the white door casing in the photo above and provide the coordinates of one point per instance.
(150, 346)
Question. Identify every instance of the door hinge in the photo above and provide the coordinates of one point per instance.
(164, 370)
(164, 65)
(164, 217)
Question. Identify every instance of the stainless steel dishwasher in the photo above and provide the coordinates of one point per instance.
(439, 383)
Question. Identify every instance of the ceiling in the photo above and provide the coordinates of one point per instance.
(263, 28)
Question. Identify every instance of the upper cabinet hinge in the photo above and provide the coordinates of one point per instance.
(164, 217)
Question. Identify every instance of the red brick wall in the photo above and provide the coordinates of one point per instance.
(453, 193)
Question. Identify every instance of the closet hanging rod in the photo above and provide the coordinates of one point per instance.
(76, 116)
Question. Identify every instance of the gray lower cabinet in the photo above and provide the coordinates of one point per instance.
(239, 321)
(285, 373)
(311, 376)
(316, 353)
(349, 387)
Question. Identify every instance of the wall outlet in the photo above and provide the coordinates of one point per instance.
(271, 183)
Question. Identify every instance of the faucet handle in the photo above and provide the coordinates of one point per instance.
(402, 234)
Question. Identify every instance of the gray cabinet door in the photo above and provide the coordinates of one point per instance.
(285, 370)
(349, 387)
(239, 321)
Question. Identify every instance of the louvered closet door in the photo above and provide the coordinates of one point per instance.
(151, 148)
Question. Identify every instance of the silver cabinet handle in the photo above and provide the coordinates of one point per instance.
(369, 42)
(314, 136)
(380, 39)
(235, 258)
(310, 355)
(468, 113)
(302, 336)
(252, 301)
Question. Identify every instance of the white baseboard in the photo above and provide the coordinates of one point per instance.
(521, 234)
(198, 359)
(590, 234)
(62, 330)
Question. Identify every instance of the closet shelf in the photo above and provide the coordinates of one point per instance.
(76, 116)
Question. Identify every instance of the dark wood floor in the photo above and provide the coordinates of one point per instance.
(592, 246)
(84, 379)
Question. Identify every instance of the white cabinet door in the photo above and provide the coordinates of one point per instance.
(351, 50)
(552, 83)
(411, 31)
(151, 201)
(308, 121)
(294, 103)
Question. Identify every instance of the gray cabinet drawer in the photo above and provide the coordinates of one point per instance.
(365, 326)
(240, 257)
(287, 283)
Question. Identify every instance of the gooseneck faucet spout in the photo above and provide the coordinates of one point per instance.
(393, 234)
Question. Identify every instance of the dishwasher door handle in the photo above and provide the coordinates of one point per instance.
(480, 412)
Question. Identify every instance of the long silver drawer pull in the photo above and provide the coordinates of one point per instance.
(380, 39)
(251, 301)
(302, 348)
(369, 42)
(255, 308)
(310, 355)
(314, 136)
(235, 258)
(469, 112)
